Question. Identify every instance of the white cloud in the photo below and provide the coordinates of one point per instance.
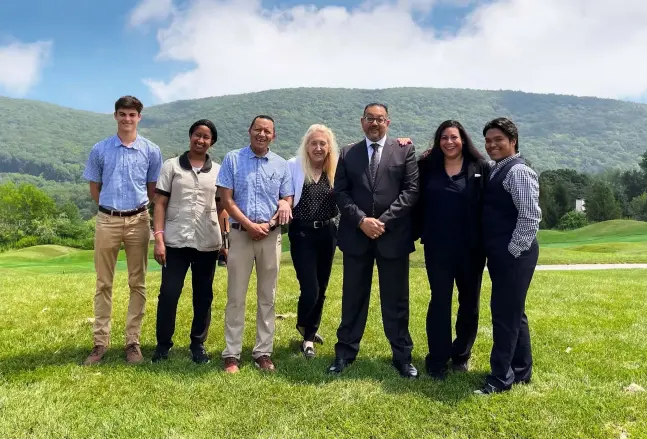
(150, 10)
(22, 64)
(581, 47)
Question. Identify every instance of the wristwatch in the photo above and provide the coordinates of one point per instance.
(273, 224)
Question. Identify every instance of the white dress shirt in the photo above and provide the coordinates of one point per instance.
(369, 148)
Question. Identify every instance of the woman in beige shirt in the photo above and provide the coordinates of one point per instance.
(187, 234)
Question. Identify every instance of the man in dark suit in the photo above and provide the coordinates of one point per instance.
(376, 187)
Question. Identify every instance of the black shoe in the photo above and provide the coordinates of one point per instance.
(406, 370)
(434, 370)
(488, 389)
(159, 355)
(199, 355)
(308, 352)
(339, 365)
(526, 381)
(460, 367)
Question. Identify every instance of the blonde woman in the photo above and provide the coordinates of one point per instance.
(313, 231)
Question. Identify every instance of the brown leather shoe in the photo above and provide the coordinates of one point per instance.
(264, 363)
(231, 365)
(134, 354)
(96, 355)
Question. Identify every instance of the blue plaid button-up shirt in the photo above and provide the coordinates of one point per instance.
(123, 171)
(257, 182)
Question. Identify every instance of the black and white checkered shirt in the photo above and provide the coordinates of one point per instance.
(523, 185)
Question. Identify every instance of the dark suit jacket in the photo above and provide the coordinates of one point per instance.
(478, 174)
(390, 199)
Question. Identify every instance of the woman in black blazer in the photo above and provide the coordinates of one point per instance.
(453, 175)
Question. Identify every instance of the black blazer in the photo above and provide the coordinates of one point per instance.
(390, 199)
(475, 187)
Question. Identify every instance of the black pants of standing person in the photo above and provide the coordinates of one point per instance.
(443, 269)
(511, 357)
(393, 275)
(203, 267)
(312, 250)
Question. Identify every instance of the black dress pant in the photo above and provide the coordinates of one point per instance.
(203, 267)
(511, 357)
(393, 275)
(312, 252)
(442, 269)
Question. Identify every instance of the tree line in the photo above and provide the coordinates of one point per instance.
(609, 195)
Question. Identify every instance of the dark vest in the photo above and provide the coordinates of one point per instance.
(499, 212)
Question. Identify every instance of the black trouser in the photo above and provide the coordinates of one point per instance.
(511, 357)
(203, 267)
(442, 269)
(312, 252)
(393, 275)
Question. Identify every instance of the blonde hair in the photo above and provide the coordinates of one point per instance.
(330, 164)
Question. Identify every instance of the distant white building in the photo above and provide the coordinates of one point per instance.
(579, 205)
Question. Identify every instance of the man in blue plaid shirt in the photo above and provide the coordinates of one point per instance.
(511, 217)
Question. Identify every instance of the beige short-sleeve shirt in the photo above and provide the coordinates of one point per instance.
(191, 214)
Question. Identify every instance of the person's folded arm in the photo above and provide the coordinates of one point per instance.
(523, 185)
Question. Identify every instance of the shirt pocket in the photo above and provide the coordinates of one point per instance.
(139, 168)
(172, 213)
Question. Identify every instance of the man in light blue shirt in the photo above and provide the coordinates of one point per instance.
(122, 171)
(256, 189)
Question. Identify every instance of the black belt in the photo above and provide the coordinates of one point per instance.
(122, 212)
(311, 224)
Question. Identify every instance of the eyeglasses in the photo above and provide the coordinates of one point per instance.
(380, 120)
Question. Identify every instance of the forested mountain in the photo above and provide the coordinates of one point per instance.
(586, 134)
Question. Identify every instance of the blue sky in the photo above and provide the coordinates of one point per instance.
(94, 51)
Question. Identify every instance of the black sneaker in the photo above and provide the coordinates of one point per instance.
(199, 355)
(160, 355)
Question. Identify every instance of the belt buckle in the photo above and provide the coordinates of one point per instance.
(318, 224)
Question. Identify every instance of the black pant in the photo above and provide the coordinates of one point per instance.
(442, 269)
(312, 252)
(511, 357)
(203, 267)
(393, 275)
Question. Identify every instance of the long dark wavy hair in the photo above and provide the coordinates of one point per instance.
(435, 155)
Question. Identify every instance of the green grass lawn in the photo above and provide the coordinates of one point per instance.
(589, 340)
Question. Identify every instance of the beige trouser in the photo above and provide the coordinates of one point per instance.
(243, 252)
(111, 231)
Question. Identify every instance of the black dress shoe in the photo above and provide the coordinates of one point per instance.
(437, 374)
(488, 389)
(406, 370)
(460, 367)
(318, 339)
(339, 365)
(159, 355)
(199, 355)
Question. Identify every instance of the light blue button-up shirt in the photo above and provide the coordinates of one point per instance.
(123, 171)
(257, 182)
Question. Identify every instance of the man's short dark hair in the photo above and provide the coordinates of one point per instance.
(207, 123)
(262, 116)
(129, 103)
(377, 104)
(507, 127)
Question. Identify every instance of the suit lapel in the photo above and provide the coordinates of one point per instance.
(382, 167)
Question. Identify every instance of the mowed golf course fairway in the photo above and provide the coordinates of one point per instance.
(589, 334)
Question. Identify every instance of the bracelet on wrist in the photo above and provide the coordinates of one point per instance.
(158, 232)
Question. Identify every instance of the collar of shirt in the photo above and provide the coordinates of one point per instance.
(186, 163)
(504, 161)
(135, 145)
(369, 148)
(250, 153)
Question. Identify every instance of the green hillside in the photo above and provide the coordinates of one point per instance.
(587, 134)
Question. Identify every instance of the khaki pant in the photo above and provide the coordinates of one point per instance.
(243, 252)
(111, 231)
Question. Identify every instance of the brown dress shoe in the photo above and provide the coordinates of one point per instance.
(264, 363)
(96, 355)
(231, 365)
(134, 354)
